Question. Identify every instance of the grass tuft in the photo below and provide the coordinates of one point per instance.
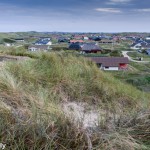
(32, 94)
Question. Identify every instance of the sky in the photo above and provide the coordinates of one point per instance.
(75, 15)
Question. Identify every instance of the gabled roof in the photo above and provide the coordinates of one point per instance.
(42, 41)
(110, 61)
(143, 44)
(90, 46)
(75, 46)
(134, 44)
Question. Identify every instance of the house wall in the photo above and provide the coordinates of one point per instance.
(8, 44)
(109, 68)
(91, 51)
(32, 49)
(49, 43)
(85, 38)
(123, 66)
(147, 38)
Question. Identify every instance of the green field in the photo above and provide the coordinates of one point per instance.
(135, 55)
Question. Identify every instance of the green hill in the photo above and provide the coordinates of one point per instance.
(64, 102)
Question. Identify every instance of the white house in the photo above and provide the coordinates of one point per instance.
(85, 38)
(44, 41)
(34, 48)
(136, 46)
(8, 44)
(147, 38)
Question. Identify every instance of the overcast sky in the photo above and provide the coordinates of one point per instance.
(75, 15)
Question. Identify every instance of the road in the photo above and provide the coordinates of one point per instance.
(124, 53)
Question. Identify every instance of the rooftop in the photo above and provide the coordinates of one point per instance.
(110, 61)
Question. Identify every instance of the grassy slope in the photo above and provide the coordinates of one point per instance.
(135, 55)
(138, 75)
(32, 118)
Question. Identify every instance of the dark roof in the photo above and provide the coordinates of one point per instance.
(19, 39)
(147, 41)
(75, 46)
(148, 51)
(90, 46)
(110, 61)
(143, 44)
(133, 44)
(42, 41)
(63, 39)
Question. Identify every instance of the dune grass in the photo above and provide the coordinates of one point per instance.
(32, 93)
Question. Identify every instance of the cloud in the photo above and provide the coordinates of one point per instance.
(108, 10)
(143, 10)
(120, 1)
(114, 2)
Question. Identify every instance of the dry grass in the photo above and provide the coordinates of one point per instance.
(31, 97)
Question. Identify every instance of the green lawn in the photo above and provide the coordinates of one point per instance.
(136, 54)
(123, 45)
(138, 75)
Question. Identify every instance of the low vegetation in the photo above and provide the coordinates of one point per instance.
(121, 46)
(33, 94)
(137, 75)
(136, 55)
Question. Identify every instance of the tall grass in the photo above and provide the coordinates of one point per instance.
(32, 93)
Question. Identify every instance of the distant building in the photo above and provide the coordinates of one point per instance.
(90, 48)
(95, 38)
(85, 38)
(62, 40)
(19, 40)
(106, 41)
(78, 37)
(34, 48)
(75, 46)
(85, 47)
(147, 38)
(148, 52)
(111, 63)
(43, 41)
(140, 45)
(75, 41)
(8, 44)
(136, 46)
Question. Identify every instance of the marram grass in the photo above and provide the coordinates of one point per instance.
(32, 93)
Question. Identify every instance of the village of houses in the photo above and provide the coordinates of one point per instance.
(125, 55)
(100, 48)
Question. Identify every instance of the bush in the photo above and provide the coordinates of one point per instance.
(116, 53)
